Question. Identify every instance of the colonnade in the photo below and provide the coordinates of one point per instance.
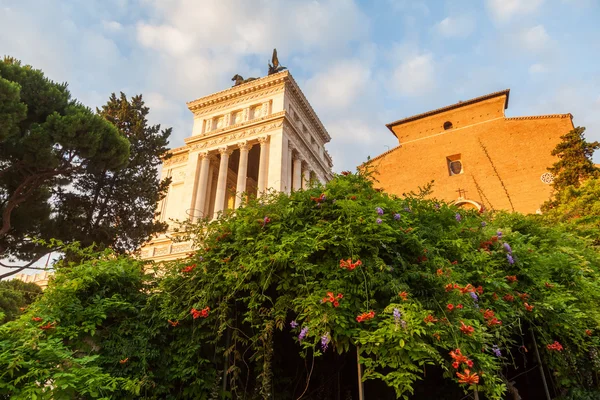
(297, 170)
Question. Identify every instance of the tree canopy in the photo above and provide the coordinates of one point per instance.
(15, 296)
(45, 138)
(116, 208)
(574, 164)
(283, 295)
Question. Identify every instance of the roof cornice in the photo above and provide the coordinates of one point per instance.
(505, 92)
(283, 77)
(238, 91)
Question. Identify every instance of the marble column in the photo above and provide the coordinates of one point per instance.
(290, 165)
(222, 180)
(202, 186)
(263, 164)
(297, 173)
(242, 172)
(305, 177)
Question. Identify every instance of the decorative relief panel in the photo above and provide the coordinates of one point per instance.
(547, 178)
(161, 251)
(176, 160)
(234, 136)
(178, 248)
(179, 175)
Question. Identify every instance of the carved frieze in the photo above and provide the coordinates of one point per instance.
(235, 136)
(176, 160)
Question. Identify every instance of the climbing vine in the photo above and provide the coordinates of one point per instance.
(285, 292)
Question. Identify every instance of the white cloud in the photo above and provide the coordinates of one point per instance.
(112, 26)
(339, 86)
(459, 26)
(199, 46)
(504, 10)
(164, 38)
(534, 39)
(535, 69)
(415, 75)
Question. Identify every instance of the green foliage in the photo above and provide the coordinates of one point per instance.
(116, 208)
(578, 208)
(15, 296)
(574, 165)
(45, 139)
(116, 332)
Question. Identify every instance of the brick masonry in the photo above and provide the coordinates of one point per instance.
(518, 147)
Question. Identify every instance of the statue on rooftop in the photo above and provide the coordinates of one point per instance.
(276, 67)
(238, 79)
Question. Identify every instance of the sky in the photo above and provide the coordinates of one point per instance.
(361, 64)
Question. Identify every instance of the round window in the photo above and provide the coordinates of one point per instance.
(447, 125)
(547, 178)
(455, 167)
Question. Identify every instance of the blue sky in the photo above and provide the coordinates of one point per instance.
(361, 63)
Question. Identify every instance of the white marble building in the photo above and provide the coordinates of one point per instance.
(250, 138)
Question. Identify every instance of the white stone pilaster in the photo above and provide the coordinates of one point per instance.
(192, 173)
(242, 172)
(222, 181)
(202, 186)
(306, 177)
(290, 165)
(263, 164)
(297, 173)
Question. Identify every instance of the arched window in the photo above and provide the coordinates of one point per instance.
(447, 125)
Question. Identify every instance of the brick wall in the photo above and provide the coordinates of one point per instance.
(518, 147)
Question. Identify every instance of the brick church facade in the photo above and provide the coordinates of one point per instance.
(476, 156)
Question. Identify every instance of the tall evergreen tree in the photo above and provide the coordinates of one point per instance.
(574, 164)
(45, 139)
(116, 208)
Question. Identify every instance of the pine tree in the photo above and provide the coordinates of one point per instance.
(574, 164)
(46, 138)
(117, 208)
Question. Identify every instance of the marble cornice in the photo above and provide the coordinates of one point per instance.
(238, 91)
(310, 112)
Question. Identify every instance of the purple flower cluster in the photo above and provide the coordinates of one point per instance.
(499, 234)
(458, 217)
(483, 224)
(379, 210)
(397, 315)
(398, 319)
(507, 248)
(325, 341)
(474, 296)
(510, 259)
(294, 324)
(396, 216)
(379, 221)
(496, 351)
(437, 206)
(303, 334)
(407, 209)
